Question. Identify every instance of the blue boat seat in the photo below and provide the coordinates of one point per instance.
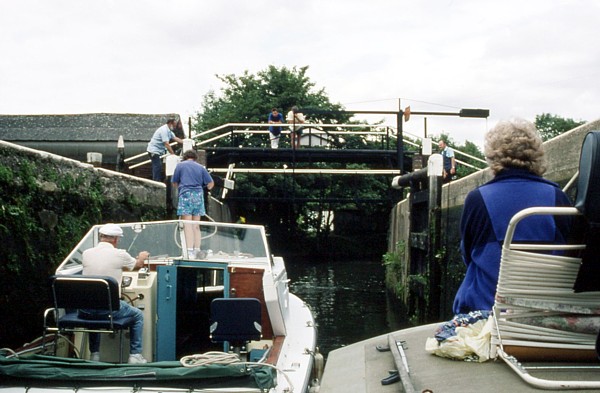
(78, 293)
(235, 320)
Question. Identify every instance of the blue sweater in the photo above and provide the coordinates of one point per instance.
(190, 176)
(486, 213)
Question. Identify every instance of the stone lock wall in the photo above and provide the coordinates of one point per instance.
(562, 162)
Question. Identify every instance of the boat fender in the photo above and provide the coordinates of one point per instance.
(318, 365)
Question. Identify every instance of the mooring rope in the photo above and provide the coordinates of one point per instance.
(216, 357)
(213, 357)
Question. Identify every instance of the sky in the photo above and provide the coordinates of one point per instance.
(515, 58)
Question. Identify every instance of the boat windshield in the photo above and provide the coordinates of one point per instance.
(166, 241)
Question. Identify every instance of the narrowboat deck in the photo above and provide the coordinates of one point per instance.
(360, 367)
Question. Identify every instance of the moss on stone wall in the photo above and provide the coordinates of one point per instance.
(46, 206)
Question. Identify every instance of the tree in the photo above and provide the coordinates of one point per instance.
(249, 98)
(265, 199)
(550, 126)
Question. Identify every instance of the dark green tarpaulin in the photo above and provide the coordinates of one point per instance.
(80, 372)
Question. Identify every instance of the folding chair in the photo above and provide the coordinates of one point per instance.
(75, 292)
(538, 315)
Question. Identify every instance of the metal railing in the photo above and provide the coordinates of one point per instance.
(326, 131)
(318, 129)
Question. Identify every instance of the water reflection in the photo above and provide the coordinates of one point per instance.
(348, 299)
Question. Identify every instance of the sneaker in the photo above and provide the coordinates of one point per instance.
(95, 356)
(136, 358)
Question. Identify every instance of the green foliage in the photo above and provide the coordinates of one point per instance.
(393, 259)
(6, 175)
(418, 281)
(405, 286)
(44, 211)
(550, 126)
(394, 262)
(249, 98)
(469, 148)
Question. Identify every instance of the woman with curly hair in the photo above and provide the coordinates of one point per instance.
(514, 152)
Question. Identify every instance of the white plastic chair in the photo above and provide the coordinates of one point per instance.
(533, 286)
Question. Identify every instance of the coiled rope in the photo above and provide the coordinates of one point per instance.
(213, 357)
(216, 357)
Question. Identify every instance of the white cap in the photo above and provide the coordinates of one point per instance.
(111, 230)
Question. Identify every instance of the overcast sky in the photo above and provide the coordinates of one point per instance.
(515, 58)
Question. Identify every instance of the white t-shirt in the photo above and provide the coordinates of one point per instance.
(299, 118)
(106, 260)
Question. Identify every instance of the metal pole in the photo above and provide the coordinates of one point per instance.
(434, 246)
(399, 144)
(293, 130)
(120, 154)
(387, 138)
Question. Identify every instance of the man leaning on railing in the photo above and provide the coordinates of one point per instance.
(158, 146)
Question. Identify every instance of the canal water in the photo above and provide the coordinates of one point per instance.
(348, 299)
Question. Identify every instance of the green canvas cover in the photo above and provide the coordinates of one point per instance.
(46, 370)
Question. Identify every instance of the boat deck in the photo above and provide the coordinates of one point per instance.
(360, 367)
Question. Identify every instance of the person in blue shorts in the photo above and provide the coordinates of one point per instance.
(190, 178)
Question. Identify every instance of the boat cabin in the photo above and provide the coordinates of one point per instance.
(180, 293)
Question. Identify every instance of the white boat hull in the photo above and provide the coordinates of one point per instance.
(177, 294)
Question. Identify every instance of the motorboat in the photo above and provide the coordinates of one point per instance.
(220, 319)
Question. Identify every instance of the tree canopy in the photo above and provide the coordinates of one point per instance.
(265, 199)
(249, 98)
(550, 126)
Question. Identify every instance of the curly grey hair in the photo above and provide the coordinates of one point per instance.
(514, 144)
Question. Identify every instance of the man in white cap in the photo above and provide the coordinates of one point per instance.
(107, 260)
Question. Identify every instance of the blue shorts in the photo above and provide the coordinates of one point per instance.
(191, 203)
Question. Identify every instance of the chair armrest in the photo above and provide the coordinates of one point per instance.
(47, 313)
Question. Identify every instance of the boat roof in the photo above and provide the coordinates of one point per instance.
(240, 245)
